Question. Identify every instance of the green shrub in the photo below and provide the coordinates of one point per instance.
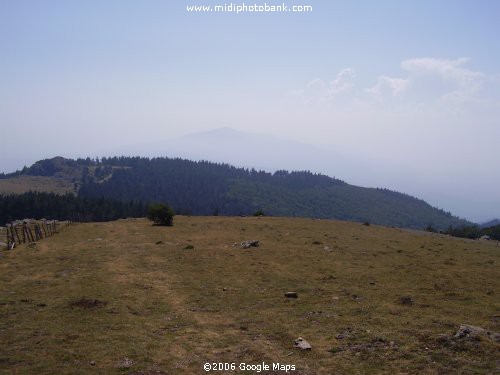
(259, 212)
(430, 228)
(161, 214)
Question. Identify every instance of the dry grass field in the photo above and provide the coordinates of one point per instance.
(24, 184)
(129, 298)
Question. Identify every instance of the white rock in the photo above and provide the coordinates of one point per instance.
(302, 344)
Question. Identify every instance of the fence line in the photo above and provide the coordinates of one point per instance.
(29, 230)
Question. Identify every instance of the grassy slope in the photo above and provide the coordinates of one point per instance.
(24, 183)
(167, 309)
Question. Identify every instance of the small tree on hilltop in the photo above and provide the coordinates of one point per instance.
(161, 214)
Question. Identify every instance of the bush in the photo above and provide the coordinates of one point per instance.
(161, 214)
(259, 212)
(430, 228)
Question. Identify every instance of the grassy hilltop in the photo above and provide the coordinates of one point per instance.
(128, 298)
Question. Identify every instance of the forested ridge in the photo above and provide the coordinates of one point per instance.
(65, 207)
(206, 188)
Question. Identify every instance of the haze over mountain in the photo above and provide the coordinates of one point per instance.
(269, 152)
(205, 188)
(490, 223)
(407, 100)
(250, 150)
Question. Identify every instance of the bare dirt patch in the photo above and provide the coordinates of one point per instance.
(87, 303)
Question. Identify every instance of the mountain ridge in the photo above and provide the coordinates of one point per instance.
(207, 188)
(490, 223)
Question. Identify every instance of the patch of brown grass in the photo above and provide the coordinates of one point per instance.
(170, 310)
(87, 303)
(24, 184)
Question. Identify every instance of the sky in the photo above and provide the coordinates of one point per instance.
(409, 90)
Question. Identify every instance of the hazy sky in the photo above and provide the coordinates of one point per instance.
(410, 88)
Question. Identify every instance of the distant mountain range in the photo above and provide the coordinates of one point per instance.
(207, 188)
(242, 149)
(490, 223)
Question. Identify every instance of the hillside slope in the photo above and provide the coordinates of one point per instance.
(205, 188)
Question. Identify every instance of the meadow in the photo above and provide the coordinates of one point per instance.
(126, 297)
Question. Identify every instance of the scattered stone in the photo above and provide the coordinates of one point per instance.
(328, 278)
(406, 300)
(125, 363)
(313, 314)
(327, 248)
(302, 344)
(377, 343)
(158, 242)
(346, 333)
(468, 331)
(317, 242)
(248, 244)
(92, 363)
(291, 295)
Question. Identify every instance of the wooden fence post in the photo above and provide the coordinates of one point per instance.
(43, 227)
(35, 233)
(12, 239)
(8, 238)
(38, 232)
(14, 231)
(29, 234)
(26, 233)
(33, 239)
(26, 236)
